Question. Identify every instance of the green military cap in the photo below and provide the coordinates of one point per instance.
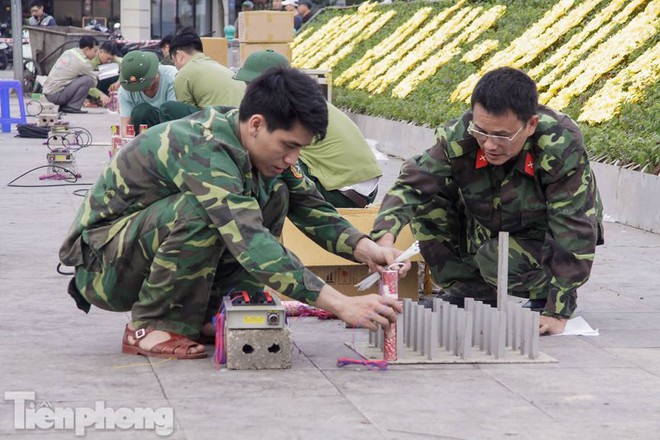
(258, 62)
(138, 69)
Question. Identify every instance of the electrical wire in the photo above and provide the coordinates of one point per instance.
(372, 365)
(82, 138)
(73, 139)
(377, 364)
(59, 270)
(72, 182)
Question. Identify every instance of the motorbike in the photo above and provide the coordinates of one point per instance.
(114, 34)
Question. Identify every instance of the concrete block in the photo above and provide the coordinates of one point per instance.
(258, 349)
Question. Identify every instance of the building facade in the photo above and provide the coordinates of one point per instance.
(140, 19)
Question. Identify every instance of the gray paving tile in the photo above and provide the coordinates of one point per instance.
(259, 416)
(647, 358)
(605, 395)
(79, 377)
(619, 320)
(601, 388)
(627, 338)
(201, 382)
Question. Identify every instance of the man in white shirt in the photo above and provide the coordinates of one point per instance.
(72, 76)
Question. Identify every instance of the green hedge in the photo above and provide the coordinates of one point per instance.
(632, 138)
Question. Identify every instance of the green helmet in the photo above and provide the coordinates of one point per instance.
(258, 62)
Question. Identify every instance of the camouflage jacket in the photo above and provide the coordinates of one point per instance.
(202, 157)
(550, 190)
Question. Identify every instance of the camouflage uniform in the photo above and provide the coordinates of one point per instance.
(457, 203)
(179, 218)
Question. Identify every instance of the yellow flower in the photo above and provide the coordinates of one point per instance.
(364, 35)
(638, 75)
(388, 59)
(564, 58)
(606, 56)
(385, 46)
(423, 50)
(517, 49)
(479, 50)
(445, 53)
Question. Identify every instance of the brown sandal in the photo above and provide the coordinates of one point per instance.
(177, 346)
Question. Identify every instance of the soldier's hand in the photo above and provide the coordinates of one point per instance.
(386, 240)
(377, 257)
(551, 326)
(366, 311)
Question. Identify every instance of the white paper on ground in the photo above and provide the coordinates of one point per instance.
(578, 327)
(373, 144)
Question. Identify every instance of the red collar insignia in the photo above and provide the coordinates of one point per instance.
(529, 164)
(481, 159)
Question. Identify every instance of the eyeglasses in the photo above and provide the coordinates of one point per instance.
(35, 9)
(499, 140)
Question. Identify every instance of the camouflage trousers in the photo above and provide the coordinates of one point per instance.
(462, 256)
(167, 265)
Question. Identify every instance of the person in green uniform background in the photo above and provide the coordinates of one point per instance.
(512, 165)
(192, 209)
(107, 54)
(342, 165)
(200, 82)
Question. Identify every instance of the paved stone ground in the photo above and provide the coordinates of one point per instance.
(603, 387)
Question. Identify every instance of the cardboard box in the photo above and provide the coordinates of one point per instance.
(216, 48)
(344, 278)
(265, 26)
(313, 255)
(341, 273)
(246, 49)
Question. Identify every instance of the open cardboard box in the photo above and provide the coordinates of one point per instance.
(341, 273)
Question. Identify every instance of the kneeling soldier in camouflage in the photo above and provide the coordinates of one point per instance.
(192, 209)
(506, 165)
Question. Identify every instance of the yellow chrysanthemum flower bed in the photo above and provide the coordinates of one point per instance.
(596, 60)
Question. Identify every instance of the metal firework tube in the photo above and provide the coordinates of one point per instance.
(389, 287)
(130, 130)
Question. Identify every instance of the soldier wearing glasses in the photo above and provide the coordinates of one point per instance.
(508, 164)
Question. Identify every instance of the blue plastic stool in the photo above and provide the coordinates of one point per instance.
(6, 85)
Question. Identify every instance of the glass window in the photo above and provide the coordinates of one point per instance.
(163, 16)
(116, 13)
(168, 16)
(101, 8)
(203, 17)
(68, 12)
(185, 18)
